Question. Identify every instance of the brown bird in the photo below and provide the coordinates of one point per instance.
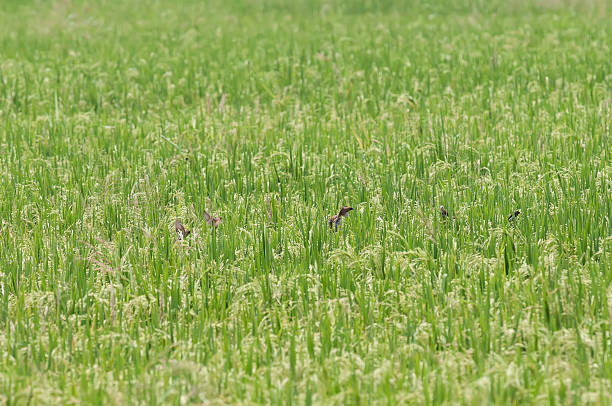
(443, 212)
(336, 219)
(213, 221)
(180, 230)
(514, 215)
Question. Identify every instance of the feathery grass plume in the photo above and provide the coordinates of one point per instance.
(269, 209)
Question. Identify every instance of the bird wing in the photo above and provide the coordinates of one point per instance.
(207, 217)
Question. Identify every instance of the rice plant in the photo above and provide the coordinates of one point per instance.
(169, 172)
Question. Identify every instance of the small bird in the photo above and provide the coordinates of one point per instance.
(213, 221)
(443, 212)
(336, 219)
(514, 215)
(180, 230)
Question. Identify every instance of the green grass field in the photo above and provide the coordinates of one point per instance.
(119, 117)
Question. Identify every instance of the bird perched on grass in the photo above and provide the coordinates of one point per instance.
(443, 212)
(514, 215)
(213, 221)
(336, 219)
(180, 230)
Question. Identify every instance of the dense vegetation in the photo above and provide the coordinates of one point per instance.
(119, 117)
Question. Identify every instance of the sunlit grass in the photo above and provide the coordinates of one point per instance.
(117, 118)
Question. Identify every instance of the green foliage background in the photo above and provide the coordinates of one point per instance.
(118, 117)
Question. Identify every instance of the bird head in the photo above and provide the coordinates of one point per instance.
(345, 209)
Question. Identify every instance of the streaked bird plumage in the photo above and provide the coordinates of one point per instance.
(336, 219)
(514, 215)
(212, 221)
(180, 230)
(443, 212)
